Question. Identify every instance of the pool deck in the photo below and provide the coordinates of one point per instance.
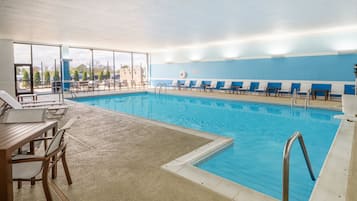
(113, 156)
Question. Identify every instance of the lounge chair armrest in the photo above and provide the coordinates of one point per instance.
(28, 160)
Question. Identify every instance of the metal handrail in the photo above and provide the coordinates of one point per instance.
(286, 159)
(293, 98)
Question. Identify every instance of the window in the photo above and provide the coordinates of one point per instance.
(81, 64)
(140, 68)
(103, 68)
(46, 67)
(123, 66)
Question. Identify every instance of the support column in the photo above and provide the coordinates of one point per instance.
(355, 71)
(7, 75)
(66, 77)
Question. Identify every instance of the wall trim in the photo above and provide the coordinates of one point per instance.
(259, 57)
(256, 80)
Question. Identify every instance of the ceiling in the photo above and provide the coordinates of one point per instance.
(149, 25)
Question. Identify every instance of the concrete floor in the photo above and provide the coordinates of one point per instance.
(116, 157)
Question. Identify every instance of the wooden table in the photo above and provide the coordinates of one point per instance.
(12, 137)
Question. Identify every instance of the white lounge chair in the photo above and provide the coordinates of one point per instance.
(285, 88)
(53, 110)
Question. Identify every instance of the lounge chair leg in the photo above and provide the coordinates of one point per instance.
(19, 184)
(45, 183)
(32, 148)
(45, 142)
(33, 182)
(54, 168)
(66, 170)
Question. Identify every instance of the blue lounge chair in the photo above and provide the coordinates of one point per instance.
(285, 88)
(198, 85)
(213, 85)
(305, 89)
(186, 85)
(245, 87)
(262, 87)
(174, 84)
(227, 86)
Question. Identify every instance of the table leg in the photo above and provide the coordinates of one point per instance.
(54, 167)
(6, 192)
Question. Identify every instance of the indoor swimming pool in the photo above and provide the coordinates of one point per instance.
(259, 131)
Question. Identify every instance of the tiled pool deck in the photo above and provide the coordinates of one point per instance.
(116, 157)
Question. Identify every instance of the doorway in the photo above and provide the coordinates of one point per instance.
(23, 79)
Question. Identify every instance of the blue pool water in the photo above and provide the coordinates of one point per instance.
(259, 132)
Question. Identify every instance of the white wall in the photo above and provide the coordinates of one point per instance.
(7, 74)
(324, 42)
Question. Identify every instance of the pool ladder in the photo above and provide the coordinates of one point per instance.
(286, 159)
(73, 94)
(294, 97)
(160, 86)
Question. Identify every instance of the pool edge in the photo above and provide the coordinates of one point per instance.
(223, 186)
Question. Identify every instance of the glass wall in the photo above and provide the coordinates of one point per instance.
(46, 67)
(38, 67)
(140, 68)
(103, 68)
(123, 69)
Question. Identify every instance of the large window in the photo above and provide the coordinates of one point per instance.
(38, 68)
(46, 67)
(103, 68)
(140, 68)
(123, 68)
(81, 64)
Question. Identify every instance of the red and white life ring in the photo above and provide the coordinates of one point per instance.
(183, 74)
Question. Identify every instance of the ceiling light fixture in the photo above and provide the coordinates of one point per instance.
(276, 56)
(354, 51)
(231, 58)
(265, 37)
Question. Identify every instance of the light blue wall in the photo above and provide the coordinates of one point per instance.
(324, 68)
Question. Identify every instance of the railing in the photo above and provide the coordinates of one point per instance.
(159, 86)
(306, 101)
(73, 94)
(286, 159)
(293, 98)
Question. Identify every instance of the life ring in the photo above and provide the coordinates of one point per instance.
(183, 74)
